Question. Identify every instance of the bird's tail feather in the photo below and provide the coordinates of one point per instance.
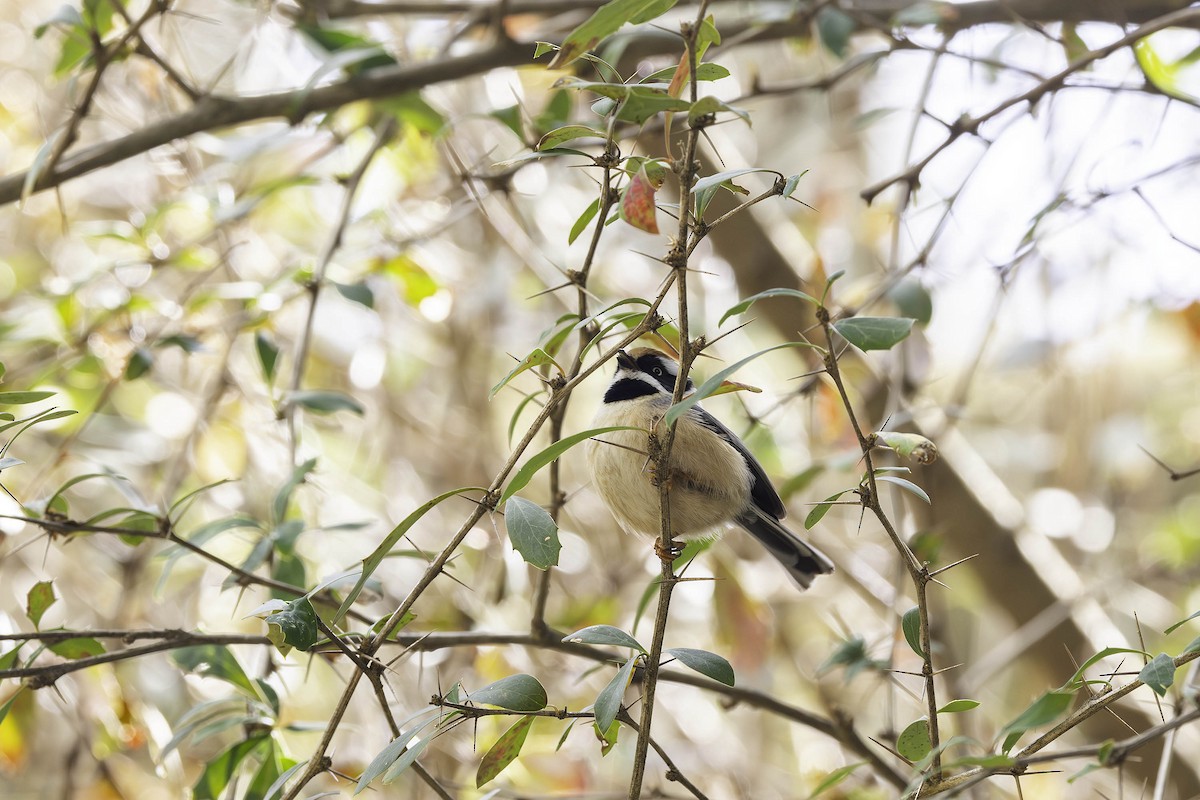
(802, 561)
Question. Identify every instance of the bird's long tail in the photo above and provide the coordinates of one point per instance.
(802, 561)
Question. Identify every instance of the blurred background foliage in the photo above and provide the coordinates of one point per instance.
(1053, 262)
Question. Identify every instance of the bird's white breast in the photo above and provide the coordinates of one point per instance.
(710, 482)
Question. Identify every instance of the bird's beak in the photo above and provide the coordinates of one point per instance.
(625, 361)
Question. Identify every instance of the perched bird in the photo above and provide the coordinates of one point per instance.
(713, 478)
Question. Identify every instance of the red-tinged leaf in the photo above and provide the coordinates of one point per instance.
(503, 752)
(637, 205)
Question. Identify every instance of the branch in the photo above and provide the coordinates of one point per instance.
(968, 124)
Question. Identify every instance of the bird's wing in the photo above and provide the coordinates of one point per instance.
(761, 490)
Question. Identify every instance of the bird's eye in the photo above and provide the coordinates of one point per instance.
(657, 371)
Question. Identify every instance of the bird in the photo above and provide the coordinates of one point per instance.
(713, 478)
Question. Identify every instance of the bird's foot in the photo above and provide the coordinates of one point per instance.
(668, 553)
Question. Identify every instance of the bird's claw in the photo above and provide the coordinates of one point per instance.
(668, 552)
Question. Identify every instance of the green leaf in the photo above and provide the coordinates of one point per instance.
(283, 497)
(1047, 708)
(643, 102)
(604, 22)
(139, 364)
(704, 72)
(537, 155)
(853, 655)
(834, 28)
(9, 703)
(608, 702)
(188, 344)
(216, 661)
(1163, 76)
(516, 415)
(406, 759)
(294, 626)
(957, 706)
(604, 635)
(1092, 767)
(584, 220)
(39, 598)
(712, 384)
(1193, 647)
(909, 445)
(1159, 674)
(713, 105)
(789, 186)
(21, 398)
(874, 333)
(372, 562)
(1181, 623)
(264, 779)
(910, 623)
(415, 112)
(537, 358)
(906, 485)
(526, 473)
(912, 299)
(713, 181)
(744, 306)
(503, 752)
(516, 693)
(325, 402)
(395, 749)
(568, 133)
(8, 660)
(533, 532)
(821, 509)
(268, 355)
(834, 778)
(710, 665)
(913, 742)
(220, 771)
(1075, 683)
(356, 293)
(74, 649)
(988, 762)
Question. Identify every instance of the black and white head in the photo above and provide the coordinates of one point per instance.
(641, 372)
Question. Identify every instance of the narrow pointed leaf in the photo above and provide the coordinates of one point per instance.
(834, 778)
(608, 702)
(709, 386)
(525, 474)
(910, 623)
(821, 509)
(325, 402)
(503, 752)
(372, 562)
(906, 485)
(710, 665)
(605, 635)
(956, 706)
(1046, 709)
(516, 693)
(744, 306)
